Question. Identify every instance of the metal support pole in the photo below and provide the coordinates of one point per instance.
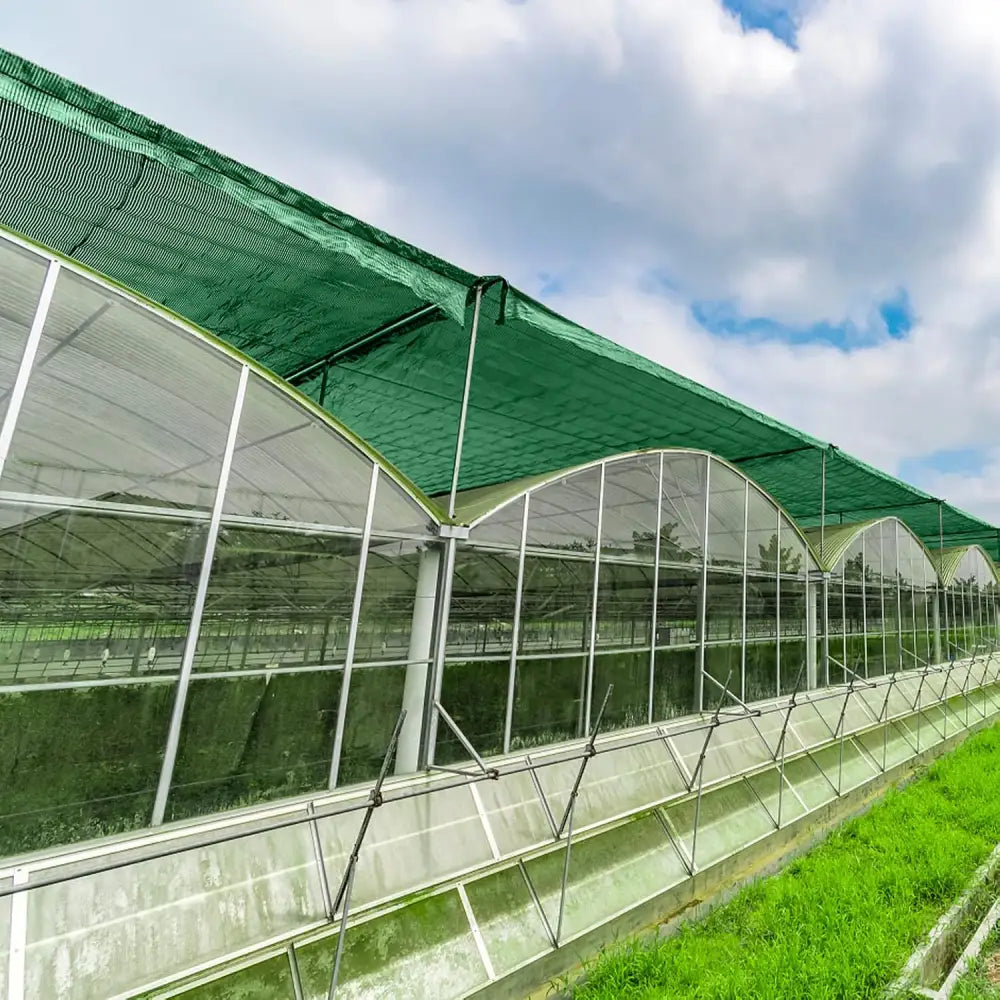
(201, 593)
(699, 690)
(589, 687)
(699, 770)
(436, 677)
(822, 508)
(352, 635)
(743, 594)
(824, 658)
(464, 412)
(418, 659)
(570, 812)
(781, 740)
(812, 597)
(515, 637)
(656, 589)
(588, 752)
(20, 387)
(343, 898)
(942, 592)
(489, 772)
(777, 611)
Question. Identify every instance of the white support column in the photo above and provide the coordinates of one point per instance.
(588, 694)
(699, 680)
(813, 594)
(824, 596)
(935, 604)
(418, 660)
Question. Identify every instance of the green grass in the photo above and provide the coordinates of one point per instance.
(840, 921)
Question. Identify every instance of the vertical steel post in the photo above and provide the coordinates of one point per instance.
(743, 601)
(881, 587)
(656, 588)
(777, 610)
(515, 637)
(20, 386)
(352, 635)
(464, 412)
(898, 577)
(942, 592)
(703, 597)
(864, 598)
(201, 593)
(822, 507)
(588, 697)
(824, 640)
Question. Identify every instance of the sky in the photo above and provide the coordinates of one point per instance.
(795, 202)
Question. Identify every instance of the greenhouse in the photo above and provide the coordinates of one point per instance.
(367, 629)
(882, 600)
(969, 615)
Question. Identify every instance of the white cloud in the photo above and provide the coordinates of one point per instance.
(607, 140)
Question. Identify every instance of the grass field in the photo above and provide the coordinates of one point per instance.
(840, 921)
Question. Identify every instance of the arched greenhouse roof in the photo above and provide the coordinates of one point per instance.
(832, 543)
(473, 507)
(377, 331)
(949, 562)
(109, 363)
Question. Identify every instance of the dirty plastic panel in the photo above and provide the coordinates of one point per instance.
(411, 843)
(425, 949)
(616, 782)
(887, 746)
(734, 747)
(776, 795)
(515, 813)
(508, 919)
(809, 782)
(608, 873)
(771, 724)
(96, 937)
(811, 723)
(729, 819)
(846, 771)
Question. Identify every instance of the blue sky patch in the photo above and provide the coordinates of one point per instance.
(892, 317)
(779, 17)
(897, 314)
(954, 461)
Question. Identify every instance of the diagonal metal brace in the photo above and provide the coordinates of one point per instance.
(487, 772)
(343, 898)
(588, 752)
(792, 705)
(696, 773)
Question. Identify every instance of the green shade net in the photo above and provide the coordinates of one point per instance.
(377, 331)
